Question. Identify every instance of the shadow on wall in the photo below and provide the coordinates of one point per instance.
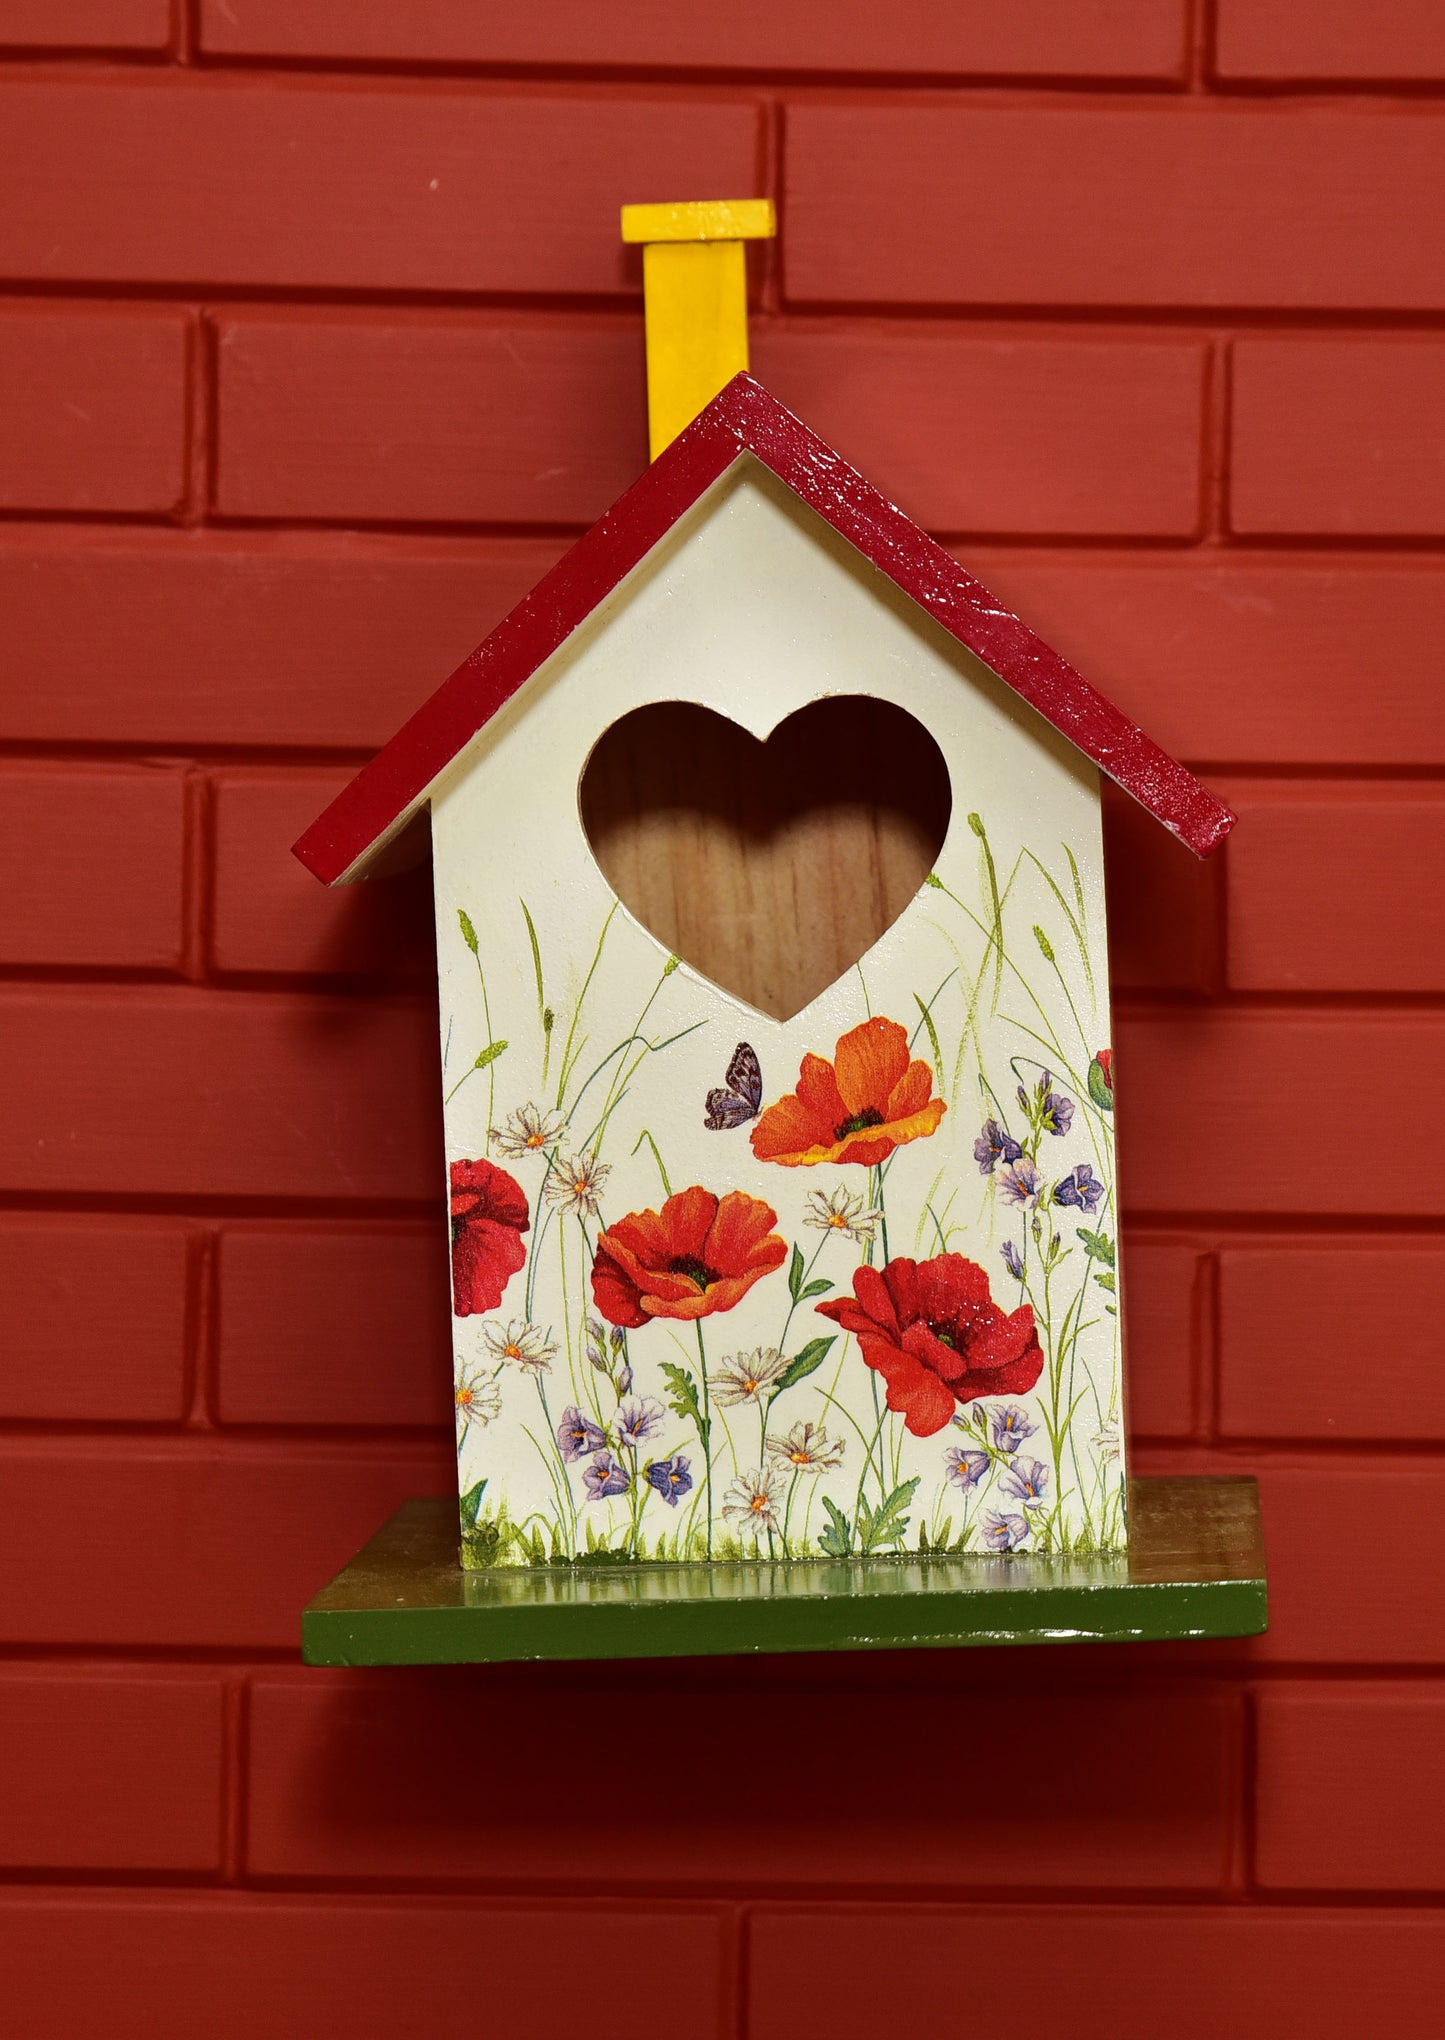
(961, 1771)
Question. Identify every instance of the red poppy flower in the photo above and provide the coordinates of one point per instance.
(869, 1100)
(935, 1334)
(489, 1216)
(699, 1254)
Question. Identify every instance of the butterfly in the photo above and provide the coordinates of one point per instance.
(741, 1096)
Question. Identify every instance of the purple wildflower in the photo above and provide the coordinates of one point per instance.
(578, 1435)
(1003, 1533)
(1021, 1181)
(670, 1477)
(1054, 1111)
(639, 1419)
(965, 1469)
(1081, 1188)
(1013, 1260)
(624, 1380)
(604, 1477)
(994, 1146)
(1011, 1426)
(1026, 1480)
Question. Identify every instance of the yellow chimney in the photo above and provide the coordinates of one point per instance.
(695, 291)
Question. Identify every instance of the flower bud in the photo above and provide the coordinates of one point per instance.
(1101, 1080)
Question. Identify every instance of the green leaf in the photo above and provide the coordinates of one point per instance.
(536, 958)
(888, 1523)
(837, 1538)
(795, 1272)
(932, 1038)
(1098, 1246)
(683, 1396)
(1106, 1282)
(469, 933)
(489, 1054)
(803, 1364)
(819, 1286)
(471, 1502)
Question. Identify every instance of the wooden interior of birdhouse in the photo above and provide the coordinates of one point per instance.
(779, 865)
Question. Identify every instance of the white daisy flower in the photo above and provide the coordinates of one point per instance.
(478, 1398)
(842, 1211)
(524, 1345)
(754, 1500)
(528, 1131)
(748, 1376)
(575, 1182)
(806, 1449)
(1106, 1441)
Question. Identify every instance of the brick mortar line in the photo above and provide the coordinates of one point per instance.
(1320, 547)
(732, 1896)
(215, 761)
(241, 1445)
(1197, 80)
(1164, 1674)
(1234, 1226)
(861, 83)
(415, 995)
(716, 1903)
(552, 308)
(162, 539)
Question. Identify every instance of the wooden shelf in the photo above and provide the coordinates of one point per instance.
(1195, 1567)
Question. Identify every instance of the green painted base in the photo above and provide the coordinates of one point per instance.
(1195, 1567)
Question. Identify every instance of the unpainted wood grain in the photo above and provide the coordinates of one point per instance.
(769, 867)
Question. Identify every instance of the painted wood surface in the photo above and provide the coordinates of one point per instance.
(692, 1280)
(695, 293)
(1194, 1568)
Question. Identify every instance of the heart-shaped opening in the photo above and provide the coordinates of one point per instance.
(771, 867)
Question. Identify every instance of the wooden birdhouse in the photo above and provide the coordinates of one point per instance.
(776, 1048)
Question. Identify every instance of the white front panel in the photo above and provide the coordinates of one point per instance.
(674, 1440)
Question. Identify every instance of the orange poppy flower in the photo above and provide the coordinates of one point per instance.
(699, 1254)
(868, 1101)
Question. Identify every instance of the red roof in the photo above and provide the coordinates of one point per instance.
(744, 419)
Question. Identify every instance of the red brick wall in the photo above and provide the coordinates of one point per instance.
(316, 345)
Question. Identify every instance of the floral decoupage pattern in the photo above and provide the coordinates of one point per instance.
(727, 1288)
